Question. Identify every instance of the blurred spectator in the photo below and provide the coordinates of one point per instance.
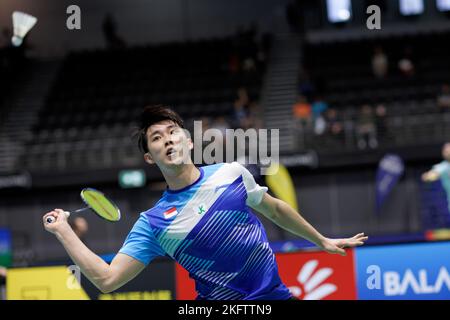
(254, 115)
(366, 129)
(242, 96)
(319, 106)
(381, 125)
(380, 63)
(80, 227)
(406, 64)
(302, 115)
(302, 111)
(443, 99)
(113, 41)
(334, 124)
(239, 114)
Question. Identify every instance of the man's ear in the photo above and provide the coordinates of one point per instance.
(190, 144)
(148, 158)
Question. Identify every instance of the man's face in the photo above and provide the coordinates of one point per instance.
(168, 144)
(446, 152)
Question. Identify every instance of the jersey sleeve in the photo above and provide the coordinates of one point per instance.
(440, 168)
(255, 192)
(141, 243)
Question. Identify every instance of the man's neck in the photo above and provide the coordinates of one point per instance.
(181, 176)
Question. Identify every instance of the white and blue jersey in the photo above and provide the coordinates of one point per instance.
(209, 230)
(443, 169)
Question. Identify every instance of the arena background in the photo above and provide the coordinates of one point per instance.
(343, 97)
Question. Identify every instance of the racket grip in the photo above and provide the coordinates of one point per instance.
(52, 219)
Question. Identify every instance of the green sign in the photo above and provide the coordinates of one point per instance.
(132, 178)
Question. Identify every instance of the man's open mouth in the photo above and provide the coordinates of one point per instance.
(171, 152)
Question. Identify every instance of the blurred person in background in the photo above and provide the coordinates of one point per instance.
(366, 129)
(302, 115)
(335, 127)
(443, 99)
(240, 114)
(254, 115)
(204, 221)
(80, 226)
(380, 63)
(441, 171)
(319, 107)
(406, 64)
(381, 122)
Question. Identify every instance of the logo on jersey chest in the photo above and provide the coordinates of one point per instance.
(201, 209)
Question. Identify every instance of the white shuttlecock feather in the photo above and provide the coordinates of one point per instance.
(22, 23)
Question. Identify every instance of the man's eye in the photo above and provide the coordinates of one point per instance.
(156, 138)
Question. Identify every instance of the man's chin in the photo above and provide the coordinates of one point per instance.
(177, 161)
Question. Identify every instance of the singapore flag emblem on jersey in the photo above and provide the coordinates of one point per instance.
(170, 213)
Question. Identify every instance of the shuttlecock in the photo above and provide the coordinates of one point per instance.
(22, 23)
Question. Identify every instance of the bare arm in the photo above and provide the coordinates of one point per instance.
(287, 218)
(106, 277)
(430, 176)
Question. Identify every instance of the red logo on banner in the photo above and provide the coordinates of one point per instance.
(318, 275)
(309, 275)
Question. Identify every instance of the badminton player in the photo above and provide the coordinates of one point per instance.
(204, 221)
(441, 171)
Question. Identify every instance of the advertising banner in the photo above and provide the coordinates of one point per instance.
(156, 282)
(407, 272)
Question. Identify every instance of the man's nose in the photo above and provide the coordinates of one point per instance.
(169, 141)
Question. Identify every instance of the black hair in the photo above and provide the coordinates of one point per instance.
(151, 115)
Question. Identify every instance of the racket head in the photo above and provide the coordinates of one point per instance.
(100, 204)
